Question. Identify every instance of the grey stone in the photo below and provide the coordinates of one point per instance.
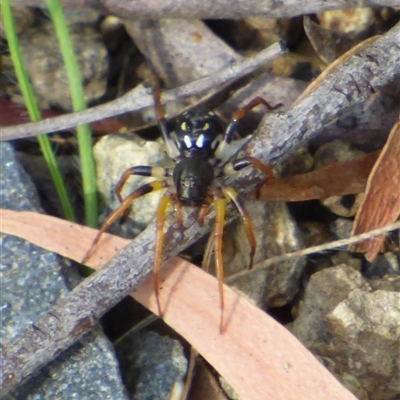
(116, 153)
(32, 280)
(43, 61)
(324, 291)
(341, 228)
(384, 264)
(365, 330)
(276, 234)
(151, 364)
(353, 330)
(344, 257)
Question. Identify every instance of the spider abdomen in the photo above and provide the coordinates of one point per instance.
(192, 178)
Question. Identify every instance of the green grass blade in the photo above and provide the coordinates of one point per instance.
(33, 109)
(78, 104)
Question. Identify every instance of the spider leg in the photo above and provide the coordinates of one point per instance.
(206, 262)
(219, 206)
(235, 118)
(243, 162)
(120, 210)
(172, 150)
(161, 213)
(156, 172)
(203, 210)
(232, 196)
(178, 210)
(141, 170)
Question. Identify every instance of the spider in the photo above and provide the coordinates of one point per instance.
(199, 147)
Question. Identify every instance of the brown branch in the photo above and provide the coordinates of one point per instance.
(175, 54)
(141, 98)
(350, 84)
(200, 9)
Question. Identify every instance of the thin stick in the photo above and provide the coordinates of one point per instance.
(316, 249)
(140, 98)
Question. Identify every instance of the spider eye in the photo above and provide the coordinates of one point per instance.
(206, 126)
(184, 126)
(200, 141)
(188, 141)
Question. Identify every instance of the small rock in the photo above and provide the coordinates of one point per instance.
(389, 283)
(344, 257)
(354, 331)
(276, 234)
(341, 228)
(351, 20)
(384, 264)
(365, 330)
(324, 291)
(315, 233)
(32, 280)
(116, 153)
(344, 206)
(23, 17)
(43, 61)
(150, 364)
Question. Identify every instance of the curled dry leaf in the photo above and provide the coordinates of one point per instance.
(381, 204)
(338, 179)
(328, 44)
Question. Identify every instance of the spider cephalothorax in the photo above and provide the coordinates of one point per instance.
(198, 133)
(198, 147)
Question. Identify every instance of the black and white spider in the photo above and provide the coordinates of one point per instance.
(199, 147)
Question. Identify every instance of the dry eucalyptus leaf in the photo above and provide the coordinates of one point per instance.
(338, 179)
(329, 45)
(381, 204)
(256, 355)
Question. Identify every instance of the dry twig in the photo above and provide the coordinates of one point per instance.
(317, 249)
(354, 82)
(140, 98)
(191, 9)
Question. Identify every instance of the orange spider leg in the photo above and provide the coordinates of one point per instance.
(120, 210)
(232, 196)
(202, 213)
(263, 168)
(206, 262)
(155, 172)
(142, 170)
(240, 163)
(178, 210)
(165, 201)
(235, 118)
(219, 206)
(203, 210)
(239, 114)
